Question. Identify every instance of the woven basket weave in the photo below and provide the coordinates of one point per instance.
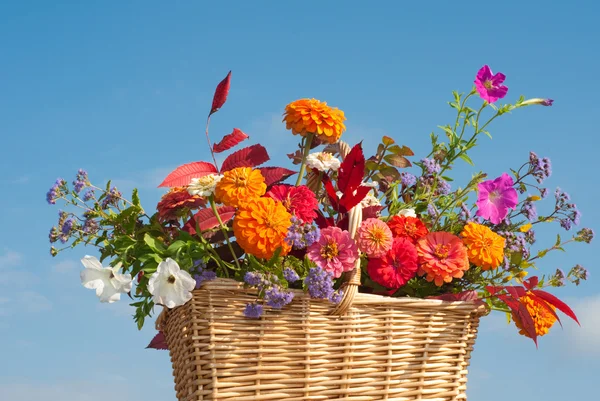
(382, 348)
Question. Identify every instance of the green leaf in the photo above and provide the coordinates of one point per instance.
(154, 244)
(466, 158)
(558, 240)
(371, 165)
(387, 141)
(135, 199)
(175, 246)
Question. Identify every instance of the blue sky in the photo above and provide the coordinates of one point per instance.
(122, 89)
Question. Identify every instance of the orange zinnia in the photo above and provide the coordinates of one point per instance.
(442, 257)
(310, 116)
(260, 227)
(240, 185)
(486, 248)
(407, 227)
(543, 320)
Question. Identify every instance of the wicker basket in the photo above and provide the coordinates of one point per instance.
(382, 348)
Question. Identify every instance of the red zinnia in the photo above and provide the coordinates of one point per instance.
(397, 266)
(407, 227)
(176, 203)
(299, 201)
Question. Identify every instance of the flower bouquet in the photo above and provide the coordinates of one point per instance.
(364, 280)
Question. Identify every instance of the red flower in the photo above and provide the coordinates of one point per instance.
(397, 266)
(176, 203)
(407, 227)
(299, 201)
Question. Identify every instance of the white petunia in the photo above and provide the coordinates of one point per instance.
(170, 285)
(204, 186)
(407, 213)
(322, 161)
(107, 281)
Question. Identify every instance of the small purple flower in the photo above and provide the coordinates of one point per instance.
(88, 195)
(585, 235)
(530, 237)
(465, 212)
(407, 179)
(443, 187)
(301, 235)
(253, 311)
(67, 226)
(541, 169)
(578, 273)
(80, 181)
(490, 86)
(319, 283)
(336, 298)
(431, 166)
(543, 192)
(112, 198)
(538, 101)
(559, 278)
(201, 274)
(90, 226)
(254, 279)
(432, 211)
(529, 211)
(56, 191)
(277, 298)
(53, 235)
(290, 275)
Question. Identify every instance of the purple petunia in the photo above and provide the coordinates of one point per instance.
(495, 198)
(489, 86)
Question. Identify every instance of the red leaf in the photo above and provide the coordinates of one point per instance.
(515, 291)
(352, 170)
(493, 290)
(371, 212)
(531, 283)
(247, 157)
(182, 175)
(229, 141)
(206, 219)
(557, 303)
(273, 175)
(158, 342)
(521, 313)
(349, 200)
(461, 296)
(322, 221)
(221, 93)
(545, 304)
(331, 194)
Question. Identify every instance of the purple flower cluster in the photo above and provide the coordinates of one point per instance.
(319, 284)
(443, 187)
(539, 168)
(407, 179)
(432, 211)
(578, 273)
(274, 295)
(112, 198)
(431, 166)
(88, 195)
(558, 279)
(201, 273)
(302, 235)
(277, 298)
(465, 213)
(290, 275)
(81, 180)
(529, 211)
(568, 211)
(66, 226)
(56, 191)
(516, 242)
(253, 310)
(585, 235)
(530, 237)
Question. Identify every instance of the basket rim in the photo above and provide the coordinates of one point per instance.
(478, 307)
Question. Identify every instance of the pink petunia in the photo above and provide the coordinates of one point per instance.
(490, 86)
(495, 198)
(334, 252)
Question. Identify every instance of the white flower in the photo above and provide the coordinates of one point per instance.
(407, 213)
(204, 186)
(170, 285)
(107, 281)
(369, 200)
(372, 184)
(322, 161)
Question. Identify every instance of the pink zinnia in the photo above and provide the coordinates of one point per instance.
(374, 238)
(334, 252)
(495, 198)
(397, 266)
(490, 86)
(299, 201)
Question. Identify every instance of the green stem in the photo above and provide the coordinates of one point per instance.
(306, 149)
(213, 206)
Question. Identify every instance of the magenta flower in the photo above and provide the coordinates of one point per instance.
(334, 252)
(490, 86)
(495, 198)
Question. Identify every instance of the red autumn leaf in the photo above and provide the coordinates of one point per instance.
(229, 141)
(206, 219)
(515, 291)
(323, 222)
(158, 342)
(470, 295)
(492, 289)
(182, 175)
(247, 157)
(273, 175)
(221, 93)
(352, 170)
(351, 199)
(557, 303)
(331, 194)
(371, 212)
(520, 312)
(531, 283)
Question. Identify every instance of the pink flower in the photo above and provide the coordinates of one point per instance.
(374, 238)
(397, 266)
(490, 86)
(334, 252)
(495, 198)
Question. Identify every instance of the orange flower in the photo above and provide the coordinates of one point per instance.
(310, 116)
(260, 227)
(407, 227)
(543, 320)
(486, 248)
(240, 185)
(442, 256)
(176, 203)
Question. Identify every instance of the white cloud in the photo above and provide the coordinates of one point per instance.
(10, 258)
(585, 339)
(66, 266)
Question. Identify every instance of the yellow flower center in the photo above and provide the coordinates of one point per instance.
(240, 182)
(329, 251)
(324, 156)
(377, 235)
(441, 251)
(488, 84)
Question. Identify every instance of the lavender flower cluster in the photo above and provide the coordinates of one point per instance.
(201, 273)
(541, 169)
(569, 215)
(319, 284)
(302, 235)
(273, 293)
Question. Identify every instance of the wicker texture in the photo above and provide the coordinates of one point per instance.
(382, 349)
